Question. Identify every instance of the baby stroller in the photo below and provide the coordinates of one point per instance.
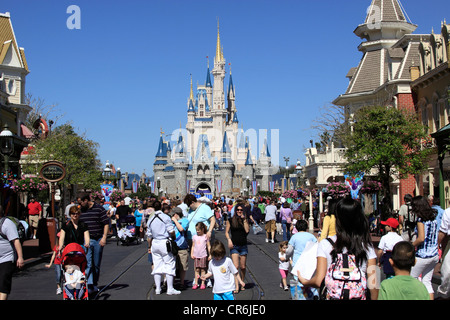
(74, 256)
(127, 230)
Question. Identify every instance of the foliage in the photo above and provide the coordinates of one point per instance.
(78, 154)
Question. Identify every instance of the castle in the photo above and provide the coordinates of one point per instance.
(212, 155)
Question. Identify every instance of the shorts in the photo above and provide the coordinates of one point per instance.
(6, 274)
(201, 262)
(241, 250)
(224, 296)
(183, 258)
(270, 226)
(34, 220)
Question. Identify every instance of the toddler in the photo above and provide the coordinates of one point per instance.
(199, 252)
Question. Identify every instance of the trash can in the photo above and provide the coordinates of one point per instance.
(52, 227)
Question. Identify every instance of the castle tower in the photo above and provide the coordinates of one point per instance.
(226, 167)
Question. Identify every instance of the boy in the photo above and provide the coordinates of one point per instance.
(403, 286)
(387, 243)
(181, 224)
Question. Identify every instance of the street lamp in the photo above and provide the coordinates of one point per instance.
(299, 169)
(248, 186)
(107, 171)
(6, 145)
(158, 185)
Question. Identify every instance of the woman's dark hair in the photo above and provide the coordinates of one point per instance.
(352, 230)
(423, 210)
(189, 199)
(332, 206)
(237, 221)
(286, 205)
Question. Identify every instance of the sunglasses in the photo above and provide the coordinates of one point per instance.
(239, 210)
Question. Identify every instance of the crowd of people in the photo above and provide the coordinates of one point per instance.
(178, 231)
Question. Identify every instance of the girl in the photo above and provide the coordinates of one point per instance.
(226, 276)
(199, 252)
(284, 264)
(56, 259)
(138, 214)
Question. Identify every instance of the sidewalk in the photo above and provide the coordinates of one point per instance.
(31, 254)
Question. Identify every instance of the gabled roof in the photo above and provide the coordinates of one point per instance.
(8, 41)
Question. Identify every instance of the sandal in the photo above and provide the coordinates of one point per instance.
(195, 286)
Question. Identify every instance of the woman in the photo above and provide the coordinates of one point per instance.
(236, 233)
(74, 230)
(286, 220)
(352, 237)
(426, 243)
(138, 214)
(329, 222)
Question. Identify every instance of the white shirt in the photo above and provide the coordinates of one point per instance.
(445, 222)
(223, 272)
(388, 241)
(157, 229)
(271, 212)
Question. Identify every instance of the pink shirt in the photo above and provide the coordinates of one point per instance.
(200, 249)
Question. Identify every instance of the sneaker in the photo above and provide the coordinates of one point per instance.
(209, 283)
(286, 288)
(272, 241)
(58, 291)
(157, 291)
(267, 240)
(173, 292)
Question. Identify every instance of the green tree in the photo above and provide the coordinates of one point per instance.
(387, 139)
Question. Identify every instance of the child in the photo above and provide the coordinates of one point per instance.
(199, 252)
(74, 280)
(387, 243)
(403, 286)
(226, 275)
(56, 259)
(284, 264)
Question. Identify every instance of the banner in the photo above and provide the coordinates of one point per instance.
(135, 186)
(271, 186)
(107, 189)
(255, 187)
(219, 186)
(188, 186)
(153, 187)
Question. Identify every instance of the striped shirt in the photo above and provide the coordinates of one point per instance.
(429, 247)
(95, 218)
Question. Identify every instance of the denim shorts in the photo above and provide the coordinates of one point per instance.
(241, 250)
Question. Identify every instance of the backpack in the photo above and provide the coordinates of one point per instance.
(344, 278)
(20, 228)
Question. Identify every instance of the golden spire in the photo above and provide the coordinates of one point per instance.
(219, 53)
(191, 96)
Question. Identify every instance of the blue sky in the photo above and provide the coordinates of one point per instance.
(126, 72)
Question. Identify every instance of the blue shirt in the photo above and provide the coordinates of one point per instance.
(429, 247)
(202, 214)
(180, 237)
(299, 241)
(138, 216)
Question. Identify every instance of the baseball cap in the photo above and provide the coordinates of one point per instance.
(176, 210)
(391, 222)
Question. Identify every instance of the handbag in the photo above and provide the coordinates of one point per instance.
(172, 246)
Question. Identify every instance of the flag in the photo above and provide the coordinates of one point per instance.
(135, 186)
(153, 187)
(271, 186)
(255, 187)
(188, 186)
(219, 186)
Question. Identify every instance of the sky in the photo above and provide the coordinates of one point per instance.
(125, 73)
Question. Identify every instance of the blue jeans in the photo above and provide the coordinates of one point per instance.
(94, 260)
(286, 230)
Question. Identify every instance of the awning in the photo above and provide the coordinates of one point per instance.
(25, 132)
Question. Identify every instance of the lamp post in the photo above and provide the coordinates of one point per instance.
(6, 146)
(299, 169)
(107, 172)
(286, 159)
(158, 185)
(248, 186)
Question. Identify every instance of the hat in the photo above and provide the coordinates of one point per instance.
(177, 211)
(391, 222)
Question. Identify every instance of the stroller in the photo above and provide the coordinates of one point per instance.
(127, 230)
(74, 256)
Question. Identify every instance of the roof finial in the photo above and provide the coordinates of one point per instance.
(191, 95)
(219, 54)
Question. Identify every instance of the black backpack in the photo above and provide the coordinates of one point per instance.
(19, 225)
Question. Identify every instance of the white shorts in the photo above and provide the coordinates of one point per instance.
(163, 262)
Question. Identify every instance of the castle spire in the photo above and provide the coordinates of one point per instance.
(219, 49)
(191, 95)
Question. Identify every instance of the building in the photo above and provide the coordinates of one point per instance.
(431, 88)
(213, 154)
(390, 54)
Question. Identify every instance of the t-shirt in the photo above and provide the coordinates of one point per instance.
(7, 252)
(429, 247)
(299, 241)
(445, 222)
(388, 241)
(271, 212)
(202, 214)
(159, 226)
(199, 243)
(284, 265)
(74, 235)
(180, 237)
(223, 271)
(95, 218)
(138, 217)
(403, 288)
(34, 208)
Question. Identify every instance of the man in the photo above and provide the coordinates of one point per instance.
(159, 229)
(10, 252)
(199, 212)
(407, 219)
(97, 221)
(270, 218)
(122, 210)
(34, 215)
(443, 290)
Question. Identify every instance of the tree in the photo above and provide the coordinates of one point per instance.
(387, 139)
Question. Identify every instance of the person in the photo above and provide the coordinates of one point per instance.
(219, 218)
(138, 214)
(74, 230)
(407, 219)
(329, 221)
(74, 280)
(181, 224)
(66, 210)
(426, 242)
(123, 210)
(226, 276)
(402, 286)
(283, 264)
(443, 291)
(270, 218)
(200, 253)
(199, 212)
(286, 220)
(11, 255)
(299, 240)
(56, 259)
(353, 239)
(236, 233)
(159, 229)
(112, 219)
(34, 215)
(97, 221)
(386, 244)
